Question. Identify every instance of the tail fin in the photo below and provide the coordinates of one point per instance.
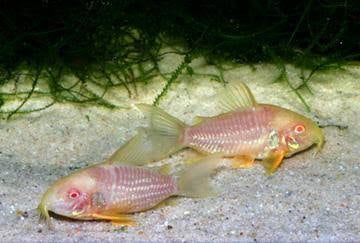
(194, 180)
(162, 122)
(154, 143)
(136, 151)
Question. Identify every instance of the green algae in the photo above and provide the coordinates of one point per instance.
(118, 43)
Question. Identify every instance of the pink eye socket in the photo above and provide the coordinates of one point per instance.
(299, 129)
(73, 193)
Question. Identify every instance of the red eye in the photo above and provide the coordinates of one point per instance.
(299, 129)
(73, 193)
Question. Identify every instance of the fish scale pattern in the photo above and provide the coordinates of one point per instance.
(241, 132)
(132, 189)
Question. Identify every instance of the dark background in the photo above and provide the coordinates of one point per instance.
(49, 32)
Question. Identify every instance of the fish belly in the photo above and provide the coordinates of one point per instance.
(128, 189)
(236, 133)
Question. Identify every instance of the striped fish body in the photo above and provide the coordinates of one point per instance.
(112, 191)
(126, 189)
(243, 132)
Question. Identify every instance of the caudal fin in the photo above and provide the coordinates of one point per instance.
(194, 181)
(136, 151)
(161, 139)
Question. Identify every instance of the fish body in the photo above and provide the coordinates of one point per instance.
(246, 131)
(111, 192)
(233, 133)
(253, 132)
(131, 189)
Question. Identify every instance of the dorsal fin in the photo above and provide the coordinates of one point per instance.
(236, 97)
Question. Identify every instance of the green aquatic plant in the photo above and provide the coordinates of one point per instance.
(184, 65)
(76, 52)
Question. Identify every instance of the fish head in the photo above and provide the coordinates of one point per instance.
(69, 196)
(297, 132)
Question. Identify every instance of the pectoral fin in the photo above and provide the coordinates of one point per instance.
(273, 161)
(116, 219)
(242, 162)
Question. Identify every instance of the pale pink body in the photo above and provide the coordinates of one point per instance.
(244, 132)
(126, 189)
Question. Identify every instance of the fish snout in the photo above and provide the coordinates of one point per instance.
(47, 204)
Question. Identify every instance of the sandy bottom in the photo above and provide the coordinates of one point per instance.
(308, 198)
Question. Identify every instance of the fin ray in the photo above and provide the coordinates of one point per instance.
(116, 219)
(161, 139)
(145, 147)
(161, 121)
(273, 161)
(194, 180)
(242, 162)
(235, 97)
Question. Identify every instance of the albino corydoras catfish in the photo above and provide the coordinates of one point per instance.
(245, 132)
(113, 191)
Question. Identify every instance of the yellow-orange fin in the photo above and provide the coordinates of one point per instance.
(116, 219)
(273, 161)
(124, 223)
(242, 162)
